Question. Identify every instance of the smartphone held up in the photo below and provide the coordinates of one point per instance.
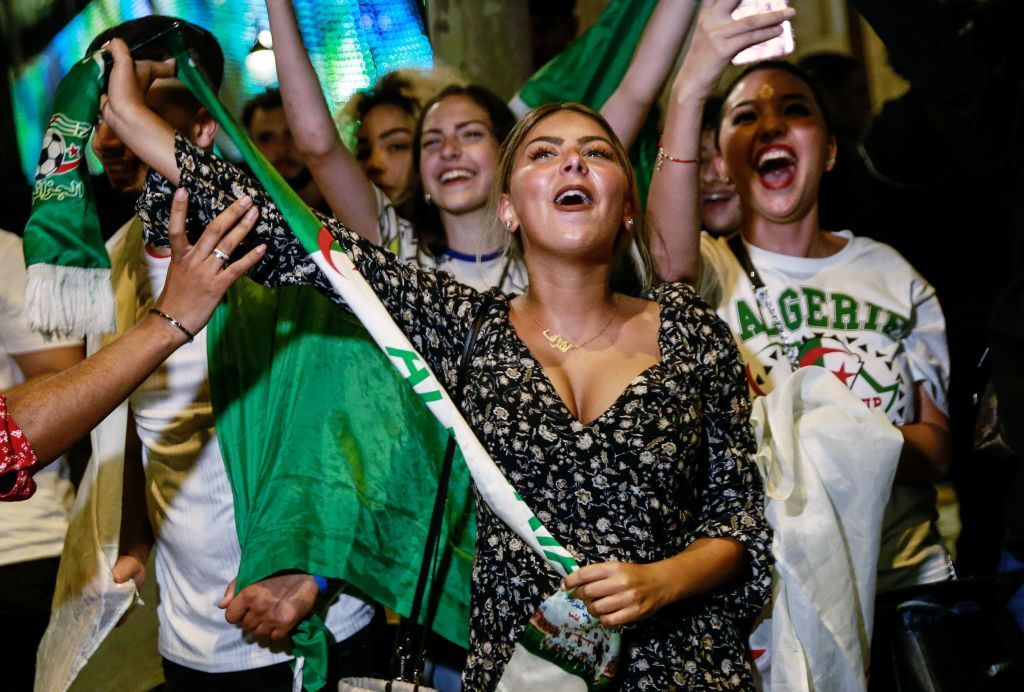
(777, 47)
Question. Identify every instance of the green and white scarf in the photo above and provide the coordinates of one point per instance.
(68, 291)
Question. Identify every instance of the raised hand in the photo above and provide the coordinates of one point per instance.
(718, 38)
(200, 274)
(130, 79)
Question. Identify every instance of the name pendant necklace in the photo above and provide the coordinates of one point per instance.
(560, 343)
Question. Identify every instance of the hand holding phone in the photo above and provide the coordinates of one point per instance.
(776, 47)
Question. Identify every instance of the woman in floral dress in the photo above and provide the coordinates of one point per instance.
(620, 420)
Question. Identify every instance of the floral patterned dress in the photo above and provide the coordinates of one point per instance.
(669, 461)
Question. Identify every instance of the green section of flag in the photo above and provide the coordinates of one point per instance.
(591, 67)
(333, 459)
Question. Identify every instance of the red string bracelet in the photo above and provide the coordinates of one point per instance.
(664, 156)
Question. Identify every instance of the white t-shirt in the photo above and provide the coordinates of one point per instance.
(480, 272)
(191, 511)
(33, 529)
(865, 314)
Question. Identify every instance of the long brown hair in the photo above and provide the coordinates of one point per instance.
(425, 216)
(503, 177)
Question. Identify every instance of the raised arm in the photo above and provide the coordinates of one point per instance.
(674, 202)
(431, 307)
(337, 173)
(628, 106)
(57, 412)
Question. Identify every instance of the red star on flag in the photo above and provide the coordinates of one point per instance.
(843, 375)
(72, 150)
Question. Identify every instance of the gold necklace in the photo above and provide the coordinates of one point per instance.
(559, 342)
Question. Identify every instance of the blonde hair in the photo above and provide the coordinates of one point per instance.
(503, 178)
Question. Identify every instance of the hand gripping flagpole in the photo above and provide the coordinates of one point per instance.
(492, 485)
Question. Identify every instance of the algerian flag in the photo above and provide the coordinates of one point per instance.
(333, 477)
(68, 284)
(493, 487)
(590, 69)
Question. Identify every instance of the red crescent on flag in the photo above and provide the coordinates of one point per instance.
(325, 240)
(753, 384)
(65, 167)
(816, 353)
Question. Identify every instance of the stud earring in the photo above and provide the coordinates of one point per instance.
(629, 223)
(426, 198)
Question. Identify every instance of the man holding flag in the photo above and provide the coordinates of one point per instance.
(174, 470)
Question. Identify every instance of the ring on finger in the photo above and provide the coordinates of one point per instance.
(221, 255)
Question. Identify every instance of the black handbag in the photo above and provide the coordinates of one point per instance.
(952, 636)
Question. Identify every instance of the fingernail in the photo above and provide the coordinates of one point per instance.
(181, 194)
(245, 201)
(260, 249)
(251, 215)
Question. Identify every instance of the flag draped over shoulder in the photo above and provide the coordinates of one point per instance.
(332, 458)
(68, 285)
(590, 69)
(493, 487)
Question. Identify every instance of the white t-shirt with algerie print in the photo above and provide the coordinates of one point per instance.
(865, 314)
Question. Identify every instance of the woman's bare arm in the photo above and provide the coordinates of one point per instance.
(927, 451)
(54, 414)
(674, 202)
(626, 109)
(336, 171)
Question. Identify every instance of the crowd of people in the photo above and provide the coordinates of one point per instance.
(618, 344)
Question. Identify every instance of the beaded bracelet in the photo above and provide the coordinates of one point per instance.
(664, 156)
(176, 323)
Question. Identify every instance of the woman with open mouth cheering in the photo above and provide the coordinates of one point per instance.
(796, 295)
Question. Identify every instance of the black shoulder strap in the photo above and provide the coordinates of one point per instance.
(790, 348)
(467, 347)
(740, 250)
(407, 657)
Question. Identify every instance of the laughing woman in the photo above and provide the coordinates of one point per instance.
(630, 441)
(845, 302)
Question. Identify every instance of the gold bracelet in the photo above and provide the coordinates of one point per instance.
(664, 156)
(176, 323)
